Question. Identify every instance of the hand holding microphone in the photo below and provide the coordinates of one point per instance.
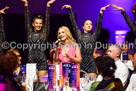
(58, 41)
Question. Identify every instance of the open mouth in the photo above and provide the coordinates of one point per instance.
(61, 37)
(38, 27)
(89, 27)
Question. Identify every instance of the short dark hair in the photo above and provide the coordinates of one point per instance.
(85, 21)
(106, 66)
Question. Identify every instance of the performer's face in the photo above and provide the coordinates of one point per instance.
(37, 24)
(88, 25)
(62, 34)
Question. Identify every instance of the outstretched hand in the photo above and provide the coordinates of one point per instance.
(50, 2)
(3, 10)
(117, 7)
(104, 8)
(66, 6)
(25, 1)
(134, 8)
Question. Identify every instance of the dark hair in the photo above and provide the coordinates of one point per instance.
(106, 66)
(104, 36)
(85, 21)
(8, 62)
(38, 17)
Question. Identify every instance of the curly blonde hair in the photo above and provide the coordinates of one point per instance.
(68, 33)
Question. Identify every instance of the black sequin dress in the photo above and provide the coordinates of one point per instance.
(86, 42)
(37, 39)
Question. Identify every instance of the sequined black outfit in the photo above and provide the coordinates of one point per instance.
(2, 34)
(131, 25)
(87, 43)
(37, 39)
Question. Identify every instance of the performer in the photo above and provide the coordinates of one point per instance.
(2, 34)
(37, 36)
(134, 13)
(128, 20)
(67, 52)
(87, 40)
(131, 35)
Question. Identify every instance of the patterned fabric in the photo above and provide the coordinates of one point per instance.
(2, 34)
(110, 85)
(36, 39)
(131, 25)
(87, 43)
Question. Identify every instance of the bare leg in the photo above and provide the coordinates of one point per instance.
(42, 73)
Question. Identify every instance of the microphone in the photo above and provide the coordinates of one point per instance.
(58, 41)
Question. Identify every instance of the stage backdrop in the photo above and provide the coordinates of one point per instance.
(84, 9)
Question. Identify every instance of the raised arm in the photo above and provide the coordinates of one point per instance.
(99, 22)
(134, 8)
(127, 18)
(47, 18)
(134, 12)
(27, 18)
(2, 34)
(73, 21)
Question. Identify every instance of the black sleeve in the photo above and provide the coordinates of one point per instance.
(47, 22)
(2, 34)
(128, 20)
(27, 21)
(74, 24)
(134, 15)
(98, 27)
